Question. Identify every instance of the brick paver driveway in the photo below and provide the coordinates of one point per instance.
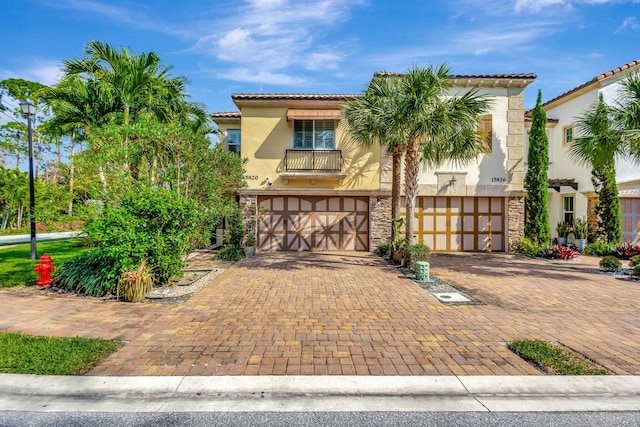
(351, 313)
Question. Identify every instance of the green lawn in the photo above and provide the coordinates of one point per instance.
(554, 359)
(25, 354)
(16, 266)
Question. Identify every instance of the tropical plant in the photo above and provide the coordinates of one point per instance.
(634, 260)
(610, 264)
(415, 109)
(580, 229)
(598, 249)
(231, 253)
(626, 251)
(528, 247)
(136, 283)
(635, 272)
(536, 225)
(415, 253)
(560, 252)
(599, 141)
(90, 273)
(364, 120)
(627, 113)
(383, 250)
(564, 228)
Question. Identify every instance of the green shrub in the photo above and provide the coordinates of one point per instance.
(91, 273)
(610, 263)
(153, 224)
(634, 260)
(234, 232)
(528, 247)
(635, 271)
(383, 250)
(231, 253)
(598, 249)
(415, 253)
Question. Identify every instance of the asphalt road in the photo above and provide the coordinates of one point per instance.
(313, 419)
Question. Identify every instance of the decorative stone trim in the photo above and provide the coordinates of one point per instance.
(379, 220)
(515, 220)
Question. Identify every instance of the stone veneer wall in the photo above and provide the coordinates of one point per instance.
(515, 166)
(249, 204)
(515, 227)
(379, 220)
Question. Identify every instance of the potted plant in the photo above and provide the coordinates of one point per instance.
(250, 246)
(580, 232)
(563, 228)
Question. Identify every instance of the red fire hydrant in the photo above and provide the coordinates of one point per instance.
(44, 269)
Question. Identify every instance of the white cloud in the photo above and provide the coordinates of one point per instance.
(113, 12)
(538, 5)
(42, 71)
(276, 36)
(250, 75)
(629, 22)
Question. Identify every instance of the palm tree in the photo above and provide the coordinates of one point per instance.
(413, 114)
(364, 120)
(134, 87)
(436, 128)
(627, 112)
(600, 141)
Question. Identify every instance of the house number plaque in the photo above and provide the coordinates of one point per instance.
(498, 179)
(251, 177)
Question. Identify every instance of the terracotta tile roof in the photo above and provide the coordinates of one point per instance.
(528, 117)
(526, 76)
(226, 115)
(291, 96)
(596, 79)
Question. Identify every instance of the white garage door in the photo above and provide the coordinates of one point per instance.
(305, 223)
(455, 224)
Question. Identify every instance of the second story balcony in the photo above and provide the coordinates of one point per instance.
(313, 160)
(313, 164)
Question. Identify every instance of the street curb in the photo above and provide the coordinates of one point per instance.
(320, 385)
(318, 393)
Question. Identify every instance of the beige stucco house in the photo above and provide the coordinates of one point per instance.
(571, 193)
(311, 188)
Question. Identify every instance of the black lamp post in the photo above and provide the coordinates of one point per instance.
(30, 111)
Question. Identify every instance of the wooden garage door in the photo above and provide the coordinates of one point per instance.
(460, 223)
(630, 220)
(291, 223)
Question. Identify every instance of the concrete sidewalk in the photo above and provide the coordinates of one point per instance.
(318, 394)
(25, 238)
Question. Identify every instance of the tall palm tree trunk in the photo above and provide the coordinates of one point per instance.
(71, 173)
(395, 189)
(411, 169)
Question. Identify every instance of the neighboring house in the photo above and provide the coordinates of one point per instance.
(571, 193)
(312, 188)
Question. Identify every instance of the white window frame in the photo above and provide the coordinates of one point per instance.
(565, 211)
(565, 129)
(315, 144)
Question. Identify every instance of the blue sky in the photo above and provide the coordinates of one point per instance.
(327, 46)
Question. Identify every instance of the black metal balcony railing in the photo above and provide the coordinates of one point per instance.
(313, 160)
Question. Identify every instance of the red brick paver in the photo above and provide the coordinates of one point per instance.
(351, 314)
